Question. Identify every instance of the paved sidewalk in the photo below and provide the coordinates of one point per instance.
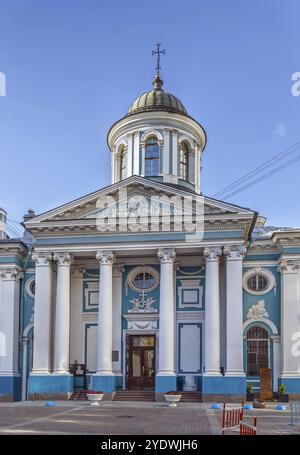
(130, 418)
(107, 419)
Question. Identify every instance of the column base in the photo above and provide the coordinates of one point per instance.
(50, 386)
(213, 373)
(227, 387)
(10, 388)
(167, 383)
(235, 374)
(105, 383)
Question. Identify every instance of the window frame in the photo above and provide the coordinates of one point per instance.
(267, 274)
(123, 162)
(184, 161)
(29, 285)
(259, 351)
(138, 270)
(152, 141)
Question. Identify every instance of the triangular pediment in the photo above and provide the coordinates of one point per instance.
(85, 210)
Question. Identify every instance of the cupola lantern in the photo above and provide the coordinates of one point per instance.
(157, 139)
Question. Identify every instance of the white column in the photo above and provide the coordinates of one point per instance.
(166, 152)
(62, 315)
(9, 321)
(234, 310)
(105, 328)
(42, 330)
(113, 159)
(276, 361)
(200, 170)
(197, 167)
(129, 154)
(290, 318)
(136, 153)
(117, 317)
(76, 334)
(174, 152)
(212, 312)
(143, 151)
(166, 364)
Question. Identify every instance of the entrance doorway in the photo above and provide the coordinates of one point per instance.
(140, 368)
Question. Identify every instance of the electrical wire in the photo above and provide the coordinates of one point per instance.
(263, 177)
(264, 166)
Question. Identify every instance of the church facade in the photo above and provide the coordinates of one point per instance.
(133, 292)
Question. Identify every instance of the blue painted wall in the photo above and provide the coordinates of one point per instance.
(128, 293)
(271, 298)
(186, 274)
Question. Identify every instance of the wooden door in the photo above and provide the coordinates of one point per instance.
(141, 362)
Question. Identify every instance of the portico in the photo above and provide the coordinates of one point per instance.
(58, 343)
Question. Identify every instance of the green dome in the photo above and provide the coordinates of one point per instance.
(157, 100)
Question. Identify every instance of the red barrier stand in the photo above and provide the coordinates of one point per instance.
(232, 418)
(248, 430)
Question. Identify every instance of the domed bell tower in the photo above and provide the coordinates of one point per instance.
(157, 139)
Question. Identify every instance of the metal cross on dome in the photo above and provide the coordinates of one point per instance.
(158, 52)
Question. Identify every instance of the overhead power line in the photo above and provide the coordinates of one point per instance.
(263, 177)
(13, 231)
(236, 185)
(13, 220)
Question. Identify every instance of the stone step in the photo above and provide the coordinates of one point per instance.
(191, 397)
(140, 395)
(134, 395)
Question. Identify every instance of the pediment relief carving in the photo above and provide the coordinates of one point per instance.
(80, 217)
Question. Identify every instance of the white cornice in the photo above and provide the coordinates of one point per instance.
(13, 249)
(157, 119)
(262, 263)
(141, 316)
(180, 246)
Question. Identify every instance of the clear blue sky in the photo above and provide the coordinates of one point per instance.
(73, 68)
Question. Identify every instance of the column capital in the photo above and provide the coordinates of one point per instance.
(105, 257)
(288, 266)
(63, 258)
(11, 274)
(212, 253)
(118, 269)
(166, 255)
(42, 258)
(234, 252)
(77, 271)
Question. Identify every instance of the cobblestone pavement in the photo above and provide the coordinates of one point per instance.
(106, 419)
(130, 419)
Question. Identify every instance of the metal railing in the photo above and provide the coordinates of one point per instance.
(295, 412)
